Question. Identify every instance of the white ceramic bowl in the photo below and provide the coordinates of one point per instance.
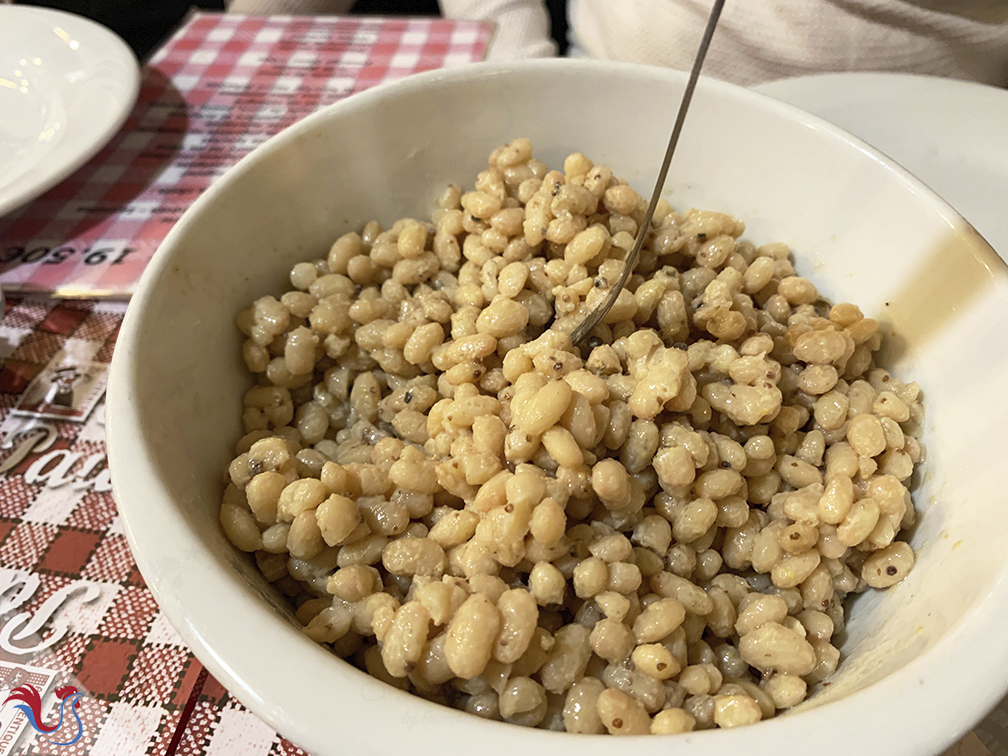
(924, 661)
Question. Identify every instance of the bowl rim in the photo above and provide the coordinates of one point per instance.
(963, 660)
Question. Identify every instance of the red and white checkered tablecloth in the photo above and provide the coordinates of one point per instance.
(73, 607)
(221, 86)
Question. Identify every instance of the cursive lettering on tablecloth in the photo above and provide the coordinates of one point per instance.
(58, 467)
(26, 626)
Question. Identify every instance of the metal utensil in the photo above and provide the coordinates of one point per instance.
(595, 316)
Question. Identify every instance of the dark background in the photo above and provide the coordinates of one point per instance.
(144, 23)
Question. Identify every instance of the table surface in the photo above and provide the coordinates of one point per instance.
(63, 552)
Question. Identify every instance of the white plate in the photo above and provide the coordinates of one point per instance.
(66, 86)
(953, 135)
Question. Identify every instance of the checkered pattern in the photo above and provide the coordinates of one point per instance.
(63, 542)
(220, 87)
(993, 731)
(145, 693)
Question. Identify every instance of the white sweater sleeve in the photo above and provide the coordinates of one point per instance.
(523, 26)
